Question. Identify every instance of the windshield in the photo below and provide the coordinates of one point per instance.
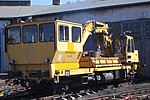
(30, 34)
(47, 32)
(13, 35)
(76, 34)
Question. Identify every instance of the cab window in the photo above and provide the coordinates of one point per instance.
(13, 35)
(63, 33)
(30, 34)
(124, 43)
(47, 32)
(76, 34)
(129, 46)
(133, 46)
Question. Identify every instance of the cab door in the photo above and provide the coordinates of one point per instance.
(68, 43)
(63, 36)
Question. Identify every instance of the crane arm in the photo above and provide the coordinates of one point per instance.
(93, 27)
(101, 29)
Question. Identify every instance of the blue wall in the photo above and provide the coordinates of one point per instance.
(3, 58)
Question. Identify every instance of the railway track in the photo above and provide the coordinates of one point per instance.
(140, 94)
(143, 94)
(124, 91)
(130, 92)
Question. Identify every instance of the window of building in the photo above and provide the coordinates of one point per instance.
(63, 33)
(30, 34)
(13, 35)
(47, 32)
(76, 34)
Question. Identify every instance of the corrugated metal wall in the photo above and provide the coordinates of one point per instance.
(141, 32)
(3, 59)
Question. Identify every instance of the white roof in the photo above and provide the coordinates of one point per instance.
(20, 11)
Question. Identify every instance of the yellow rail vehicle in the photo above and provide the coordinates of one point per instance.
(37, 46)
(53, 50)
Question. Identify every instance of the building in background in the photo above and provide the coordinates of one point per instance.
(15, 2)
(121, 15)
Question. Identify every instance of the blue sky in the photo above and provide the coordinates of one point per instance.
(49, 2)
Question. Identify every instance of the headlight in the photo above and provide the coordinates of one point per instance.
(12, 61)
(46, 60)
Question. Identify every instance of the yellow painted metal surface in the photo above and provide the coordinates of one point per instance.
(77, 71)
(52, 70)
(81, 71)
(33, 53)
(103, 61)
(134, 56)
(66, 66)
(35, 67)
(109, 68)
(70, 46)
(66, 57)
(99, 61)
